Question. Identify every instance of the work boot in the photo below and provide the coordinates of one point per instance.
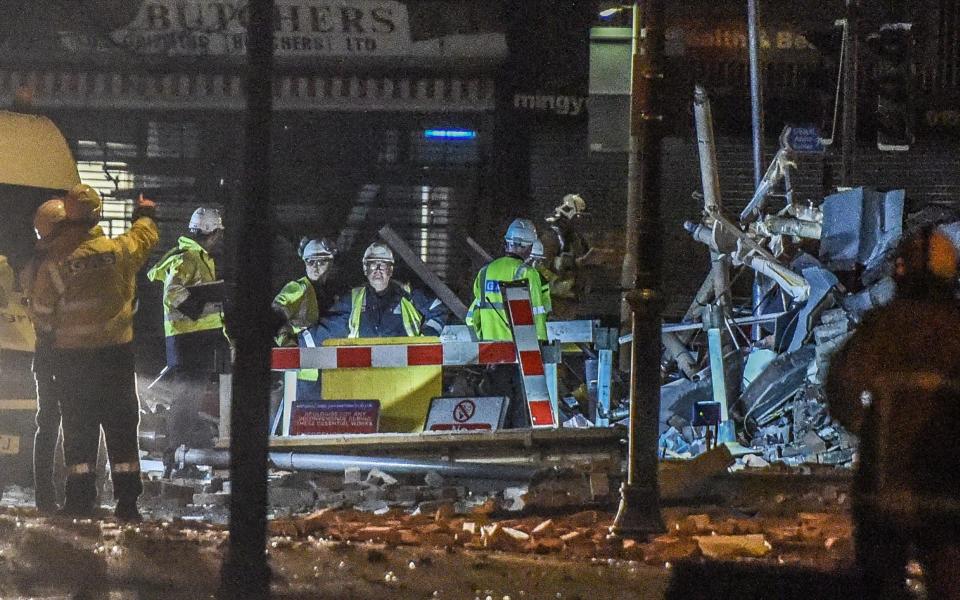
(81, 497)
(127, 511)
(47, 508)
(76, 511)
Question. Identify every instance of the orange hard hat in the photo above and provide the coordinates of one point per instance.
(48, 216)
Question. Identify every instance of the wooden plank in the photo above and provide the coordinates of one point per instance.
(478, 254)
(444, 293)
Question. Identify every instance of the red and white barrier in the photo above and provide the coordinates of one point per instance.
(520, 312)
(449, 354)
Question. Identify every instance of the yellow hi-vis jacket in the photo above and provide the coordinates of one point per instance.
(182, 266)
(297, 301)
(84, 290)
(487, 315)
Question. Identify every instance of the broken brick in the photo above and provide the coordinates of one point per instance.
(444, 512)
(544, 528)
(584, 519)
(546, 545)
(287, 527)
(693, 524)
(732, 546)
(670, 551)
(571, 536)
(516, 534)
(374, 533)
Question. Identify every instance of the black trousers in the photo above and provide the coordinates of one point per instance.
(97, 388)
(505, 380)
(45, 439)
(193, 359)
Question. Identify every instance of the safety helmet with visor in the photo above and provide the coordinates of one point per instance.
(572, 206)
(314, 249)
(378, 253)
(205, 220)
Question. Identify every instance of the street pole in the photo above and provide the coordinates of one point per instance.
(245, 573)
(639, 511)
(851, 68)
(756, 121)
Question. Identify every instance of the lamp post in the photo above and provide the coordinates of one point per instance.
(245, 572)
(639, 511)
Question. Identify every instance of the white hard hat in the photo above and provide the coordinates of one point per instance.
(318, 248)
(378, 251)
(83, 203)
(205, 220)
(571, 206)
(521, 232)
(537, 252)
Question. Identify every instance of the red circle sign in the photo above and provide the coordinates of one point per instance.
(464, 410)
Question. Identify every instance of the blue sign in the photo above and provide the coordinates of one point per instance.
(804, 140)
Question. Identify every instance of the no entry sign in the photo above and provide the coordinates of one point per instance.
(484, 413)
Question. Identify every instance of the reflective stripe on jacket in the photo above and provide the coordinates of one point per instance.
(185, 265)
(297, 301)
(411, 317)
(486, 314)
(83, 294)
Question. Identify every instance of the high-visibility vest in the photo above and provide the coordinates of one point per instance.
(487, 315)
(412, 319)
(298, 301)
(83, 293)
(187, 264)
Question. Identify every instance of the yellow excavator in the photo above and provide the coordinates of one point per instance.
(35, 164)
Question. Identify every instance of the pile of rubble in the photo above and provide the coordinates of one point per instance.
(820, 266)
(815, 537)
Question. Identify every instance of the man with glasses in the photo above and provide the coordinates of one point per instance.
(302, 302)
(385, 307)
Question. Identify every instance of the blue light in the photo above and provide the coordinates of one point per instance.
(450, 134)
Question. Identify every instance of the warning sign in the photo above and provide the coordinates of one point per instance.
(466, 414)
(464, 410)
(335, 416)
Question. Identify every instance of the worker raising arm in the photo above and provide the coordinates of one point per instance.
(83, 300)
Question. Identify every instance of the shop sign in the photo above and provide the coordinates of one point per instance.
(301, 28)
(564, 105)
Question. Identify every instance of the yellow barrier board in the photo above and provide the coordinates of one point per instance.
(16, 330)
(404, 393)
